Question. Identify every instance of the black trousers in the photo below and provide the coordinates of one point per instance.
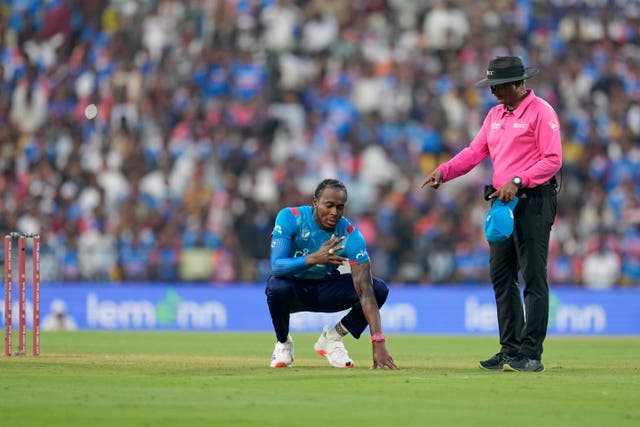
(522, 331)
(286, 295)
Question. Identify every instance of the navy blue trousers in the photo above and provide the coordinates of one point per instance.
(286, 295)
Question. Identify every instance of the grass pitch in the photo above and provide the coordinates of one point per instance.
(223, 379)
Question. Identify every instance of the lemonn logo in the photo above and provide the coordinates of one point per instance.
(574, 318)
(395, 317)
(403, 316)
(170, 312)
(581, 319)
(479, 317)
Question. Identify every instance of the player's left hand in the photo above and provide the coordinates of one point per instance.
(382, 358)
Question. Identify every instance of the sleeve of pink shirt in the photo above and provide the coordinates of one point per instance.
(547, 140)
(550, 146)
(468, 158)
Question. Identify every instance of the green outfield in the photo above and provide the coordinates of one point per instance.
(223, 379)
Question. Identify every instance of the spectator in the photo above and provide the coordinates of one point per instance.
(58, 319)
(602, 267)
(29, 104)
(250, 92)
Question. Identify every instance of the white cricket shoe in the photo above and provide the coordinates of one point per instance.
(282, 356)
(333, 349)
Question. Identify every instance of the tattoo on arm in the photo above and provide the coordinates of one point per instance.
(361, 274)
(363, 283)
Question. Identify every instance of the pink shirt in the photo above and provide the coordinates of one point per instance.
(524, 143)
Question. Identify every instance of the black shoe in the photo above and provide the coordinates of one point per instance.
(495, 363)
(524, 364)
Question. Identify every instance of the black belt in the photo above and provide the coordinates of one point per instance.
(490, 189)
(552, 183)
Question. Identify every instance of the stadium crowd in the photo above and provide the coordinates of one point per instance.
(211, 115)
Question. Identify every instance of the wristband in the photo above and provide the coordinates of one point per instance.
(377, 337)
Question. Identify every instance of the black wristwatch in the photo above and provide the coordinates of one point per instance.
(517, 181)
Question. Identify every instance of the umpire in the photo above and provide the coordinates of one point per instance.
(521, 135)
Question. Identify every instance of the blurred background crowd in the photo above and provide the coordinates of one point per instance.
(214, 114)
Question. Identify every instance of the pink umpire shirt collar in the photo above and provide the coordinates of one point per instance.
(519, 111)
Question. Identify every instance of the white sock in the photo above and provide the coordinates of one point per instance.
(334, 334)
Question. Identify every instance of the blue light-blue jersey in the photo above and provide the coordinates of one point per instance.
(296, 235)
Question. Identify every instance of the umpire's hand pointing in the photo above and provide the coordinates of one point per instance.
(434, 179)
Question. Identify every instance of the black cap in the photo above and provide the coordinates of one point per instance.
(505, 69)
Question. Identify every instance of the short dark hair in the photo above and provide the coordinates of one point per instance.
(330, 183)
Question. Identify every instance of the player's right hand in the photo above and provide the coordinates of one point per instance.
(329, 249)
